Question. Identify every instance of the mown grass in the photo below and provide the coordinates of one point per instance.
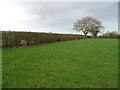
(89, 63)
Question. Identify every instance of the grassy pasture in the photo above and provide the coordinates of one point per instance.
(88, 63)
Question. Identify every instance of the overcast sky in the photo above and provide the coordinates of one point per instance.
(55, 17)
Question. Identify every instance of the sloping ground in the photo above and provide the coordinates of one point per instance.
(89, 63)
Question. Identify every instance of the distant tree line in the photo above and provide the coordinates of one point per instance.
(16, 39)
(111, 35)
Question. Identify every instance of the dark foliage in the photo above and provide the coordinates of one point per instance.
(111, 35)
(16, 39)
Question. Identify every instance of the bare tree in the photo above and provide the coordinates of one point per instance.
(88, 25)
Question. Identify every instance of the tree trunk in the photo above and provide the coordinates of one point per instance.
(85, 33)
(94, 35)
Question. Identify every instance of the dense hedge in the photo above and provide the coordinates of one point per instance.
(112, 37)
(16, 39)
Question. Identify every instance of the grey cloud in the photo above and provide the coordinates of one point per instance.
(61, 16)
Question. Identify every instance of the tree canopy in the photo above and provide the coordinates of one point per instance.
(88, 25)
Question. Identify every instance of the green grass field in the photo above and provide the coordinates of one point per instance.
(87, 63)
